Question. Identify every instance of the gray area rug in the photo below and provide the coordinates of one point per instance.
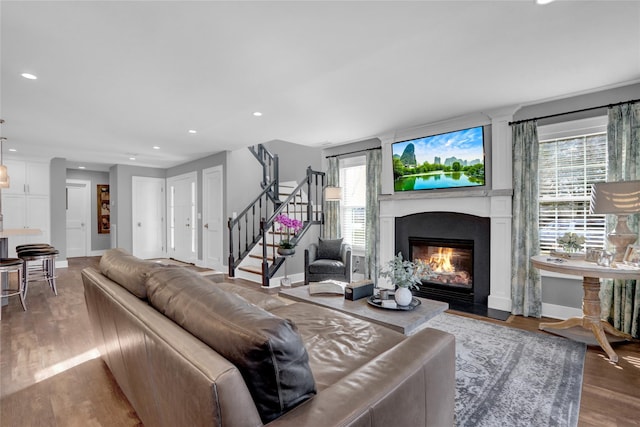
(510, 377)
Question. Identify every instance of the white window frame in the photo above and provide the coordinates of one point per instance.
(596, 223)
(347, 205)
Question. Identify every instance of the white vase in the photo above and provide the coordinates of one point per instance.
(403, 296)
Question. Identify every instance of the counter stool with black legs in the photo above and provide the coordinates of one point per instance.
(30, 246)
(39, 265)
(12, 265)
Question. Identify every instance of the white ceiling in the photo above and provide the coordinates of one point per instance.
(116, 78)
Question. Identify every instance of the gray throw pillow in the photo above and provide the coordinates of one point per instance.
(329, 248)
(267, 349)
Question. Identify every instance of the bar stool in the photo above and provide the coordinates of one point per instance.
(32, 246)
(12, 265)
(39, 265)
(29, 246)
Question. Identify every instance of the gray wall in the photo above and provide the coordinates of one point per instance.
(120, 179)
(574, 103)
(57, 200)
(99, 242)
(567, 292)
(354, 147)
(218, 159)
(244, 174)
(294, 159)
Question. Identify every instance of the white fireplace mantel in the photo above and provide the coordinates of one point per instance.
(495, 205)
(473, 202)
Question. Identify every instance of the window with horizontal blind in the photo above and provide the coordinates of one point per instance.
(572, 156)
(353, 180)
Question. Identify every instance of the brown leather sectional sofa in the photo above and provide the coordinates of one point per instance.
(189, 352)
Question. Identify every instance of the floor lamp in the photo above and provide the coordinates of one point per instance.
(622, 199)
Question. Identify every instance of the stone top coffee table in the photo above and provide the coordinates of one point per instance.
(406, 322)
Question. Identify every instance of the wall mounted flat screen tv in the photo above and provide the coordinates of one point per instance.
(448, 160)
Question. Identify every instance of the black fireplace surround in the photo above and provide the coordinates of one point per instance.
(448, 226)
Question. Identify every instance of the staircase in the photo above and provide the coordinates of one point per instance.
(253, 235)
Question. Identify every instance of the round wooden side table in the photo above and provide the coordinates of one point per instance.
(591, 273)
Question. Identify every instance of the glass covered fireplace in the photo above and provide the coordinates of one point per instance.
(451, 261)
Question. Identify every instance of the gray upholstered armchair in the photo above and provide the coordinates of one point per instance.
(328, 259)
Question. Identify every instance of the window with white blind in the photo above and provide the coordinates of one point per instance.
(353, 180)
(572, 156)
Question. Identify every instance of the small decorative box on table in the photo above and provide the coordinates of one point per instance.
(356, 290)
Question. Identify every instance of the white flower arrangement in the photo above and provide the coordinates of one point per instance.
(571, 242)
(404, 273)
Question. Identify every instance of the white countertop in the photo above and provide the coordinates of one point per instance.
(20, 232)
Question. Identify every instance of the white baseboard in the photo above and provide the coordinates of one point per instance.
(560, 311)
(62, 263)
(499, 303)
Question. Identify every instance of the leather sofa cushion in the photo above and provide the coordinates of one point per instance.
(262, 300)
(329, 248)
(337, 344)
(265, 348)
(326, 266)
(126, 270)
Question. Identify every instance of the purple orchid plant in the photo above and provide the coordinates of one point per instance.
(291, 227)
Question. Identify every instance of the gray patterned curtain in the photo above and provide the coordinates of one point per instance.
(372, 239)
(332, 209)
(620, 299)
(526, 288)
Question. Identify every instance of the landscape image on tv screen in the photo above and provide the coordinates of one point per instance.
(449, 160)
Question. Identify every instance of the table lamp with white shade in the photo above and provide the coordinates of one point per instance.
(622, 199)
(332, 194)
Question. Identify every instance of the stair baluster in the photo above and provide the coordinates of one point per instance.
(268, 206)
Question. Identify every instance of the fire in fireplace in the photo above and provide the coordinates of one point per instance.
(423, 234)
(451, 262)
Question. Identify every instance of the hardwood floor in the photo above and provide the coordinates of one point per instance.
(51, 374)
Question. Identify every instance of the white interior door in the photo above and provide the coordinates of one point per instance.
(148, 213)
(78, 218)
(181, 207)
(213, 224)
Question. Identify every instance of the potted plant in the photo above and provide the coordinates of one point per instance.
(404, 274)
(571, 244)
(288, 227)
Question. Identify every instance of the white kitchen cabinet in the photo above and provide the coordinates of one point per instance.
(27, 177)
(25, 204)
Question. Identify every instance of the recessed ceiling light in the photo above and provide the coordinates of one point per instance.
(29, 76)
(193, 131)
(544, 1)
(155, 147)
(132, 158)
(257, 114)
(13, 150)
(81, 167)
